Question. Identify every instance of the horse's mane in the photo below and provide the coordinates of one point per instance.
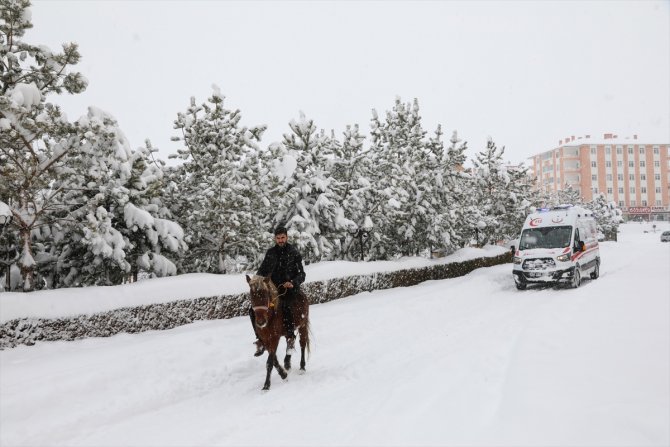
(260, 283)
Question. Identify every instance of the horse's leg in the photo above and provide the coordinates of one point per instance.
(280, 370)
(268, 367)
(287, 357)
(274, 343)
(304, 339)
(292, 321)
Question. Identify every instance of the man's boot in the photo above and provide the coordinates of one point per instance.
(260, 349)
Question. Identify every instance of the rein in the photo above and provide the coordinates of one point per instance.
(271, 303)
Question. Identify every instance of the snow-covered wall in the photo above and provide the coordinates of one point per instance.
(169, 315)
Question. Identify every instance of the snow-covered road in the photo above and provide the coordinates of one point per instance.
(465, 361)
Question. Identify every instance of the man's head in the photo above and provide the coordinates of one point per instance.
(281, 236)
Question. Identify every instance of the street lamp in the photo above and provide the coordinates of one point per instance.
(362, 233)
(480, 226)
(5, 220)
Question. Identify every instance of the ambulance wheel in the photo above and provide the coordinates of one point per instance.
(576, 278)
(596, 271)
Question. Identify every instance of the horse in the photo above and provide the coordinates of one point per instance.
(265, 304)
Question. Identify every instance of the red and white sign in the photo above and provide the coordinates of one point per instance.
(535, 222)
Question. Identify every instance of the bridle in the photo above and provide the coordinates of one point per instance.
(271, 303)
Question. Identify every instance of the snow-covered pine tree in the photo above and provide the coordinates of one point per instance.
(379, 206)
(156, 240)
(607, 214)
(500, 194)
(433, 228)
(353, 169)
(406, 179)
(524, 199)
(119, 226)
(568, 196)
(35, 137)
(452, 194)
(309, 205)
(217, 187)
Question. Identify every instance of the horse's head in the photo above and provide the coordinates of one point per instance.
(263, 297)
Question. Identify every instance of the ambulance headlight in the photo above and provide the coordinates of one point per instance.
(517, 260)
(564, 258)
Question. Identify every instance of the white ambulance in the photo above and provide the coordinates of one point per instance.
(557, 245)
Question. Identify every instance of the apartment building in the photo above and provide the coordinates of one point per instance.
(632, 173)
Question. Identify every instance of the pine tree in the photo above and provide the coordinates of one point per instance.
(353, 170)
(309, 205)
(118, 226)
(452, 195)
(607, 214)
(491, 194)
(217, 185)
(35, 138)
(568, 196)
(403, 166)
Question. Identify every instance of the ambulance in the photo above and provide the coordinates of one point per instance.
(559, 246)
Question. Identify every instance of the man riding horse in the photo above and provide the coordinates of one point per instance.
(283, 264)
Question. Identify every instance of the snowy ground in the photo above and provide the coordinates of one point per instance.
(465, 361)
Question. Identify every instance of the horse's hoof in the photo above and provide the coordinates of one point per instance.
(283, 376)
(266, 387)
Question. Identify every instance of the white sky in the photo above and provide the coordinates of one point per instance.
(524, 73)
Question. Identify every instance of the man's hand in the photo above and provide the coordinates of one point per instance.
(288, 285)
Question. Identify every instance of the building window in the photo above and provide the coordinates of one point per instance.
(609, 191)
(631, 164)
(658, 190)
(643, 189)
(632, 189)
(641, 150)
(656, 150)
(595, 190)
(630, 150)
(643, 164)
(593, 150)
(608, 150)
(608, 164)
(594, 178)
(619, 150)
(619, 177)
(593, 164)
(621, 190)
(644, 203)
(621, 203)
(631, 177)
(609, 177)
(633, 203)
(657, 164)
(619, 164)
(657, 177)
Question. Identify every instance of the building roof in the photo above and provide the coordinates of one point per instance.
(611, 139)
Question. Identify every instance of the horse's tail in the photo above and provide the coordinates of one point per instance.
(308, 330)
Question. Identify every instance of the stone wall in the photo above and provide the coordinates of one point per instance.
(170, 315)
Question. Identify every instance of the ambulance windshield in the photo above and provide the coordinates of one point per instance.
(545, 237)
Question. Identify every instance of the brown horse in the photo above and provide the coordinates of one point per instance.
(265, 303)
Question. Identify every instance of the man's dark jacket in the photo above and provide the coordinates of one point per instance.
(283, 264)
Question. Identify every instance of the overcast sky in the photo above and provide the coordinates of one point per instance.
(525, 73)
